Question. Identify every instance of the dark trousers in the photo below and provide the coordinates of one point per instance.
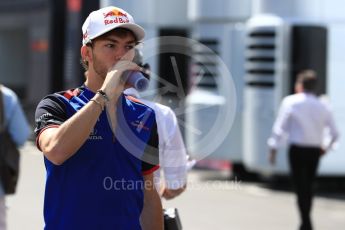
(303, 166)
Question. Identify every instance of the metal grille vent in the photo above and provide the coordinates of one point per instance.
(260, 56)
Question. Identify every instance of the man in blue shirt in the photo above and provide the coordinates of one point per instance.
(100, 147)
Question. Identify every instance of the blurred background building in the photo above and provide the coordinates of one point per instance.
(40, 45)
(262, 42)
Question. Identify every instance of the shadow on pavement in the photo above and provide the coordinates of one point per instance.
(327, 187)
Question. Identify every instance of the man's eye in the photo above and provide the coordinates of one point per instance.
(129, 47)
(110, 46)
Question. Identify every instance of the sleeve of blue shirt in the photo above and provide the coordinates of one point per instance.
(16, 121)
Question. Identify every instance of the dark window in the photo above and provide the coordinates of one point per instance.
(309, 51)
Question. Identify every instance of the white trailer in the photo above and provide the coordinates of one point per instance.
(282, 40)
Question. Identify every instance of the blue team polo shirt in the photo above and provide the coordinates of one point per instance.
(101, 185)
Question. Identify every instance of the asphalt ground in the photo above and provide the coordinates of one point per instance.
(211, 202)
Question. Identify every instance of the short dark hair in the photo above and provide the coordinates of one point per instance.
(308, 79)
(121, 32)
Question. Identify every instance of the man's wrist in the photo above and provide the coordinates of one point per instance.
(98, 99)
(98, 103)
(103, 95)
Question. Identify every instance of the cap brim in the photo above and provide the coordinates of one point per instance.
(138, 31)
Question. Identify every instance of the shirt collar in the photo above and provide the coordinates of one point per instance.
(308, 94)
(86, 92)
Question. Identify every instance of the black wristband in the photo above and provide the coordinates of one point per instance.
(103, 94)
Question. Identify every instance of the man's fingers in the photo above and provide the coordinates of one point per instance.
(123, 65)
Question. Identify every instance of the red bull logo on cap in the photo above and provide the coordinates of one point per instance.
(115, 13)
(115, 16)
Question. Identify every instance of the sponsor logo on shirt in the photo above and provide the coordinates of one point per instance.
(140, 125)
(94, 136)
(43, 117)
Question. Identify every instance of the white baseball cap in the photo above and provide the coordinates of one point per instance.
(108, 18)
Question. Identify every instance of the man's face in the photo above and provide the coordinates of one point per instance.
(109, 49)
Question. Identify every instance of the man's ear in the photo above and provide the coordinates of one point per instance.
(298, 88)
(85, 53)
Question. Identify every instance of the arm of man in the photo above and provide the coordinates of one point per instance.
(333, 131)
(60, 142)
(18, 125)
(174, 158)
(280, 128)
(152, 214)
(172, 193)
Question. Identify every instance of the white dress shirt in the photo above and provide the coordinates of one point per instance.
(172, 151)
(304, 119)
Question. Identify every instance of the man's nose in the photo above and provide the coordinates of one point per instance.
(120, 53)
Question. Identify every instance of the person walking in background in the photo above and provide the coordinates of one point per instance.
(304, 118)
(100, 147)
(171, 178)
(19, 129)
